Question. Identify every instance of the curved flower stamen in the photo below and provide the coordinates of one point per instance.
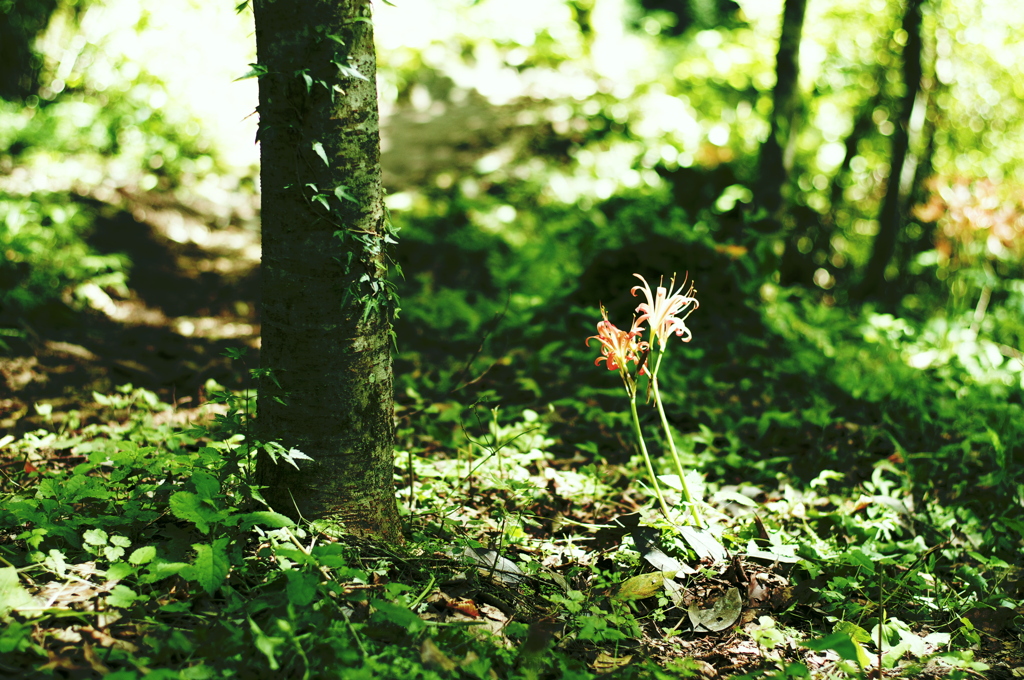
(663, 308)
(618, 347)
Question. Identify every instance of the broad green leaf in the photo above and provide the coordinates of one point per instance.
(853, 630)
(122, 596)
(264, 518)
(266, 644)
(55, 562)
(398, 615)
(206, 484)
(301, 587)
(189, 507)
(12, 594)
(160, 569)
(119, 570)
(842, 644)
(644, 585)
(211, 565)
(113, 553)
(95, 537)
(143, 555)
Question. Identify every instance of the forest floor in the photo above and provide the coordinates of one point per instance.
(720, 614)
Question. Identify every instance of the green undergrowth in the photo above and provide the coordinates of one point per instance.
(863, 507)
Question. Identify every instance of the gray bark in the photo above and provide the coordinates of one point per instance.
(326, 321)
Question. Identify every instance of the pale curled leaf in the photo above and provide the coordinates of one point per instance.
(606, 663)
(12, 594)
(704, 543)
(432, 656)
(643, 586)
(724, 612)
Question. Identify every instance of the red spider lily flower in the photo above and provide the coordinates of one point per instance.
(618, 347)
(663, 308)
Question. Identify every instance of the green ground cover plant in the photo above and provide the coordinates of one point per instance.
(138, 547)
(840, 490)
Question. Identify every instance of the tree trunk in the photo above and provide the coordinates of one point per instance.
(891, 214)
(326, 382)
(862, 125)
(776, 158)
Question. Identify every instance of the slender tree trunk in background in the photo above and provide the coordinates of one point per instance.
(20, 23)
(325, 313)
(862, 125)
(776, 160)
(893, 210)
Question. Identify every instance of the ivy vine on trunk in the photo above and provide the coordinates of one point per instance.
(326, 377)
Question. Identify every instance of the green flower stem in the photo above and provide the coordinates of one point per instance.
(672, 445)
(647, 457)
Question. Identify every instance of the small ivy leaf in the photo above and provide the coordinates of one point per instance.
(294, 455)
(349, 72)
(642, 586)
(336, 38)
(341, 191)
(322, 200)
(241, 7)
(308, 80)
(318, 148)
(255, 71)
